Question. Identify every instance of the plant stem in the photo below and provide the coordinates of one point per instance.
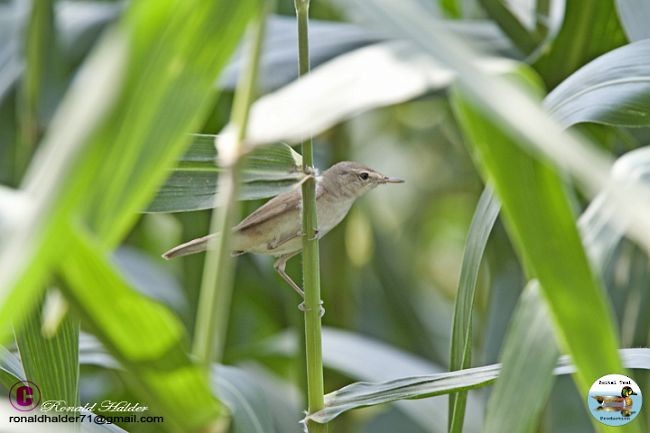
(217, 282)
(310, 263)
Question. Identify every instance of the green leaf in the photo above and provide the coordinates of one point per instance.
(11, 369)
(543, 229)
(363, 358)
(483, 221)
(144, 335)
(529, 356)
(51, 362)
(451, 8)
(614, 89)
(165, 95)
(530, 350)
(268, 171)
(634, 16)
(341, 88)
(124, 122)
(586, 33)
(364, 394)
(524, 39)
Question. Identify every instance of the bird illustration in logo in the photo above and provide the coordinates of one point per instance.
(624, 400)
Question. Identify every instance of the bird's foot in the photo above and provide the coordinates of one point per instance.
(304, 309)
(315, 236)
(311, 238)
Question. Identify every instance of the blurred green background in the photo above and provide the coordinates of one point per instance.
(390, 271)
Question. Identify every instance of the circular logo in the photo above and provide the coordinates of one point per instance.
(25, 396)
(614, 400)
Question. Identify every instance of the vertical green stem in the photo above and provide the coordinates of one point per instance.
(310, 264)
(217, 282)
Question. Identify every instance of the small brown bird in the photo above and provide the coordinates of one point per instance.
(275, 228)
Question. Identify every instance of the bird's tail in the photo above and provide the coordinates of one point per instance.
(194, 246)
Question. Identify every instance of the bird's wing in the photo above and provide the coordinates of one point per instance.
(278, 205)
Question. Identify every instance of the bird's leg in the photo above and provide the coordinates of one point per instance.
(279, 266)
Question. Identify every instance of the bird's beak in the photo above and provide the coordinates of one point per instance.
(387, 179)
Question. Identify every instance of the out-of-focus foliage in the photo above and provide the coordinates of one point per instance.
(80, 173)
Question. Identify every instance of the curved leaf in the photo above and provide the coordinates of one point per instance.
(543, 229)
(530, 350)
(586, 33)
(614, 89)
(370, 77)
(362, 394)
(367, 359)
(634, 15)
(483, 221)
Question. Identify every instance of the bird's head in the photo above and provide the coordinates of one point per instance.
(353, 180)
(627, 391)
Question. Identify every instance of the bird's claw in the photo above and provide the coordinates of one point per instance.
(304, 309)
(315, 236)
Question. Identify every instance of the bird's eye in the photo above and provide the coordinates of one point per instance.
(364, 176)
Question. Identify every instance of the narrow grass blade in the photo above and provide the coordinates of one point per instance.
(483, 221)
(146, 337)
(521, 36)
(11, 369)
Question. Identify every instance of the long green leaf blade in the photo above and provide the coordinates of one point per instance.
(483, 221)
(543, 228)
(363, 394)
